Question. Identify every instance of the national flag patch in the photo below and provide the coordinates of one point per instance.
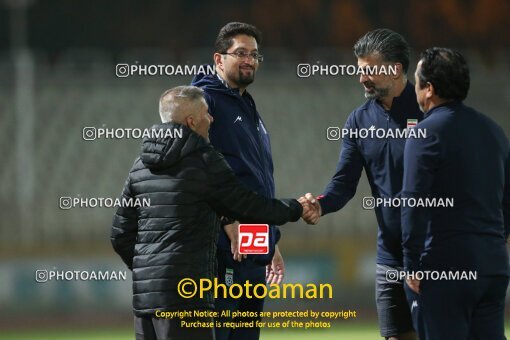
(411, 123)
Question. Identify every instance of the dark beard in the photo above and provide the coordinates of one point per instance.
(246, 80)
(377, 93)
(240, 79)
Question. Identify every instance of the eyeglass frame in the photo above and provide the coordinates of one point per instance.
(243, 55)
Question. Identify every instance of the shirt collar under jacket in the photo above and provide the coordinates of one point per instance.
(402, 105)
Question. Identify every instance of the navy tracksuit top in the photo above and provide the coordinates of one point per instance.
(239, 133)
(465, 156)
(383, 161)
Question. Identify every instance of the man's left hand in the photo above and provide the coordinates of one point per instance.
(414, 285)
(276, 270)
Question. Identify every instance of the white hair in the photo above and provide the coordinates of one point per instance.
(174, 104)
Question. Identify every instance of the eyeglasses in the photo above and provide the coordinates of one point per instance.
(243, 55)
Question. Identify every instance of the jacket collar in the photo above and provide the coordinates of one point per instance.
(450, 104)
(405, 105)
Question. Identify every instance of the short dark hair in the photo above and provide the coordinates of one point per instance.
(447, 71)
(390, 45)
(230, 30)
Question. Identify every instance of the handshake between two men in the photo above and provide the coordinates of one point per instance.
(311, 214)
(311, 208)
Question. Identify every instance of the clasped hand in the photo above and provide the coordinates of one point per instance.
(311, 208)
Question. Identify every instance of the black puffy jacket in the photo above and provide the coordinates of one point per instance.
(189, 185)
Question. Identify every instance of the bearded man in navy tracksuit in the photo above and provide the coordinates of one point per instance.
(391, 106)
(240, 135)
(465, 157)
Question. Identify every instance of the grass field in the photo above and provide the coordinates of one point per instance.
(339, 332)
(348, 333)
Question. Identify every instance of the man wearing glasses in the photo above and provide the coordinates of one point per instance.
(240, 135)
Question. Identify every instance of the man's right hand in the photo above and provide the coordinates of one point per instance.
(232, 231)
(311, 209)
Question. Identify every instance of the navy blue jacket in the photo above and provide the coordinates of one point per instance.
(240, 135)
(383, 160)
(465, 157)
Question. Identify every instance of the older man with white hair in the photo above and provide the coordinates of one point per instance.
(189, 185)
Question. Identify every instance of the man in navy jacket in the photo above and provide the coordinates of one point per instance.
(239, 133)
(465, 157)
(391, 107)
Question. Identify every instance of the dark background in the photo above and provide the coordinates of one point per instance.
(57, 76)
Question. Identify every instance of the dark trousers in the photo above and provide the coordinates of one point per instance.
(463, 310)
(413, 302)
(230, 271)
(153, 328)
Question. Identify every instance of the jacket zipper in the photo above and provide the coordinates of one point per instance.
(259, 139)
